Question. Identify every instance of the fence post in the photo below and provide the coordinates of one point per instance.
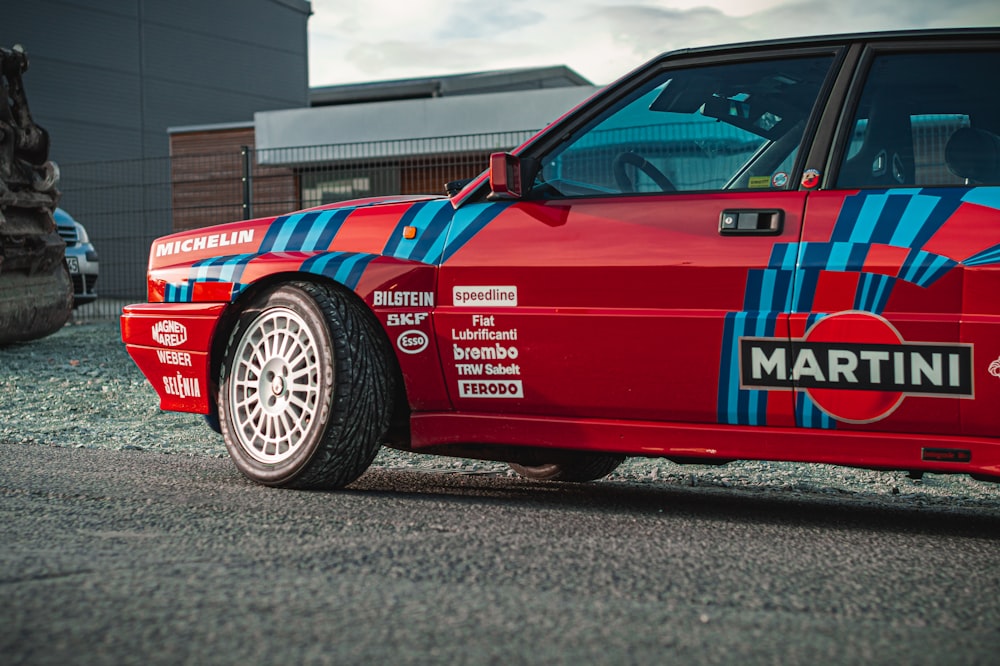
(246, 157)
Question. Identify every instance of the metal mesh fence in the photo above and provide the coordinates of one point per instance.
(126, 205)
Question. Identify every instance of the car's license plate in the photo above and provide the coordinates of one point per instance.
(74, 264)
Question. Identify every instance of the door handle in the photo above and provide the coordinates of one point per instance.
(751, 222)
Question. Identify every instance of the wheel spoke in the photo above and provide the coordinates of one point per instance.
(274, 390)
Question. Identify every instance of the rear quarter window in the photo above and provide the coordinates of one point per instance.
(926, 119)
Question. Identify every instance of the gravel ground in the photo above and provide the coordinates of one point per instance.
(79, 388)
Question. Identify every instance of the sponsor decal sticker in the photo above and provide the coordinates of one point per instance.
(995, 368)
(170, 333)
(496, 352)
(405, 318)
(856, 366)
(485, 296)
(480, 369)
(181, 387)
(171, 357)
(479, 366)
(810, 178)
(485, 330)
(490, 388)
(403, 299)
(412, 341)
(204, 242)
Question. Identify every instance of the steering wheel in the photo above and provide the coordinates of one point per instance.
(625, 183)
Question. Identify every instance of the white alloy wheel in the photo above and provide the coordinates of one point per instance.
(274, 392)
(305, 387)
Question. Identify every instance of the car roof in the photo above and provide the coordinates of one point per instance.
(943, 34)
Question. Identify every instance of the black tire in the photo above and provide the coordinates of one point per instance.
(575, 467)
(304, 390)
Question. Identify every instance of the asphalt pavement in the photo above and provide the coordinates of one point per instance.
(134, 557)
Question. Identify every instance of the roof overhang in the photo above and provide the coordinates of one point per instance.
(414, 126)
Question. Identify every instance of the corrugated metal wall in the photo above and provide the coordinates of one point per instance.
(109, 77)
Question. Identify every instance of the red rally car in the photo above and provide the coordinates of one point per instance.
(785, 250)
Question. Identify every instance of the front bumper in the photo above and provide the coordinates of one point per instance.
(171, 343)
(83, 269)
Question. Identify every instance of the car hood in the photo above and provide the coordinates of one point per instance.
(244, 237)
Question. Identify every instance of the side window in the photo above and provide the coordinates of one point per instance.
(723, 127)
(928, 119)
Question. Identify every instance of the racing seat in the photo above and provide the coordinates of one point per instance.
(886, 156)
(974, 154)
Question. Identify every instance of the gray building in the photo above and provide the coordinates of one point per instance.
(149, 102)
(406, 136)
(108, 77)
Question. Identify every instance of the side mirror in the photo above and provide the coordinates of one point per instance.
(505, 176)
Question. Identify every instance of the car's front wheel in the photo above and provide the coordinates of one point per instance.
(304, 391)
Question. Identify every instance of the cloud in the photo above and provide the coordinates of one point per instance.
(601, 39)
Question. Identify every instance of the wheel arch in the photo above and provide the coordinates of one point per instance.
(399, 432)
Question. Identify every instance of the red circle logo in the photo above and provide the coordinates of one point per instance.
(861, 406)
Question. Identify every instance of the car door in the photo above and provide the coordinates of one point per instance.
(896, 322)
(619, 286)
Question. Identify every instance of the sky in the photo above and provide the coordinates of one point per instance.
(378, 40)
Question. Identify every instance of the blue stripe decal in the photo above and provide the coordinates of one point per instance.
(201, 271)
(178, 293)
(924, 268)
(807, 415)
(467, 222)
(755, 296)
(232, 270)
(917, 211)
(726, 369)
(735, 405)
(767, 288)
(859, 255)
(299, 233)
(839, 258)
(889, 219)
(983, 196)
(850, 210)
(343, 267)
(873, 292)
(227, 268)
(984, 258)
(863, 226)
(805, 290)
(353, 269)
(903, 217)
(305, 232)
(729, 387)
(430, 246)
(325, 229)
(948, 202)
(279, 233)
(405, 220)
(431, 221)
